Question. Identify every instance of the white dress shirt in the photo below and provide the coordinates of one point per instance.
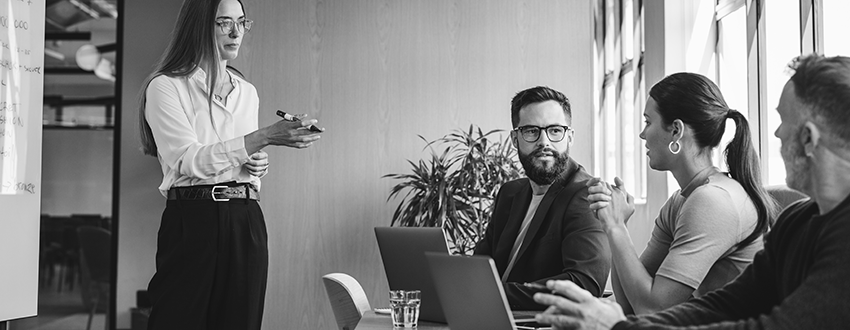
(192, 147)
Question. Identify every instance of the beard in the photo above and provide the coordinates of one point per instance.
(539, 171)
(796, 163)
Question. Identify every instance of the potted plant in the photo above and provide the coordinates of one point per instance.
(455, 188)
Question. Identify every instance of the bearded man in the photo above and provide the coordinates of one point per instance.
(542, 227)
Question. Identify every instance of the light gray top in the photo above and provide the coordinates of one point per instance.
(696, 231)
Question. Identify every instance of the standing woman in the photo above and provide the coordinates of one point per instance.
(709, 230)
(200, 119)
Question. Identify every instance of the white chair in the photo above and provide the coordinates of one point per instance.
(347, 298)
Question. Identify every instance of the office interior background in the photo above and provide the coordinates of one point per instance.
(377, 73)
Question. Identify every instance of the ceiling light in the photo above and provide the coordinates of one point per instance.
(89, 58)
(105, 70)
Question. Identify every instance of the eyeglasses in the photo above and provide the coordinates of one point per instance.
(531, 133)
(227, 25)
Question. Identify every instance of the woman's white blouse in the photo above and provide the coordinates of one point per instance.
(192, 147)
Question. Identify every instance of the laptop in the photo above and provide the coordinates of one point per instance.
(403, 253)
(472, 295)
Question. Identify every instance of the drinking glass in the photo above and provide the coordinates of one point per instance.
(405, 308)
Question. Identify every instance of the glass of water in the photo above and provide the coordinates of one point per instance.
(405, 308)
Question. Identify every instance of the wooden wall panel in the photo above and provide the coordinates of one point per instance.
(376, 74)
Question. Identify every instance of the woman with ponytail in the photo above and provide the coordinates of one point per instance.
(709, 230)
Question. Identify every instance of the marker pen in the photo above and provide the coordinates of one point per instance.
(286, 116)
(292, 118)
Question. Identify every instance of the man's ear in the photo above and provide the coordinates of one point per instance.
(514, 139)
(809, 138)
(571, 134)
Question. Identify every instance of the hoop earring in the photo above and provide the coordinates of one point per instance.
(678, 147)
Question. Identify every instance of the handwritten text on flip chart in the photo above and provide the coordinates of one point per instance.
(21, 89)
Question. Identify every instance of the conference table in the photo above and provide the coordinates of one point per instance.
(372, 321)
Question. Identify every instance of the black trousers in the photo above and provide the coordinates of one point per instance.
(211, 266)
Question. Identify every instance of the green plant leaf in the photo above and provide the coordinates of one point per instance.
(455, 187)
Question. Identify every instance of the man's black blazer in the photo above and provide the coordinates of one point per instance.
(564, 241)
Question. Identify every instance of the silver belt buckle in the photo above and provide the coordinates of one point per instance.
(219, 192)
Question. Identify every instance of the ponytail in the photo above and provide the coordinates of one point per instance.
(743, 163)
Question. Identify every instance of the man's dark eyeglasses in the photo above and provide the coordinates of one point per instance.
(531, 133)
(227, 25)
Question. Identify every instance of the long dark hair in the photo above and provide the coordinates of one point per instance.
(697, 101)
(192, 43)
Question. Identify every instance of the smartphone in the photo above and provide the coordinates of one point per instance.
(540, 287)
(536, 286)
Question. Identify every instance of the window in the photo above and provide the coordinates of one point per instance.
(789, 28)
(775, 31)
(753, 84)
(619, 103)
(835, 24)
(783, 44)
(746, 52)
(731, 53)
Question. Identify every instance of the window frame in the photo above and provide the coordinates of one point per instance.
(620, 80)
(811, 41)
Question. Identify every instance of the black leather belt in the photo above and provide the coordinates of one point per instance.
(221, 193)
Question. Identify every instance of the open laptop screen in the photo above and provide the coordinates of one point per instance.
(403, 253)
(472, 294)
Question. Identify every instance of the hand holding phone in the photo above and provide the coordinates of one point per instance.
(541, 288)
(536, 286)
